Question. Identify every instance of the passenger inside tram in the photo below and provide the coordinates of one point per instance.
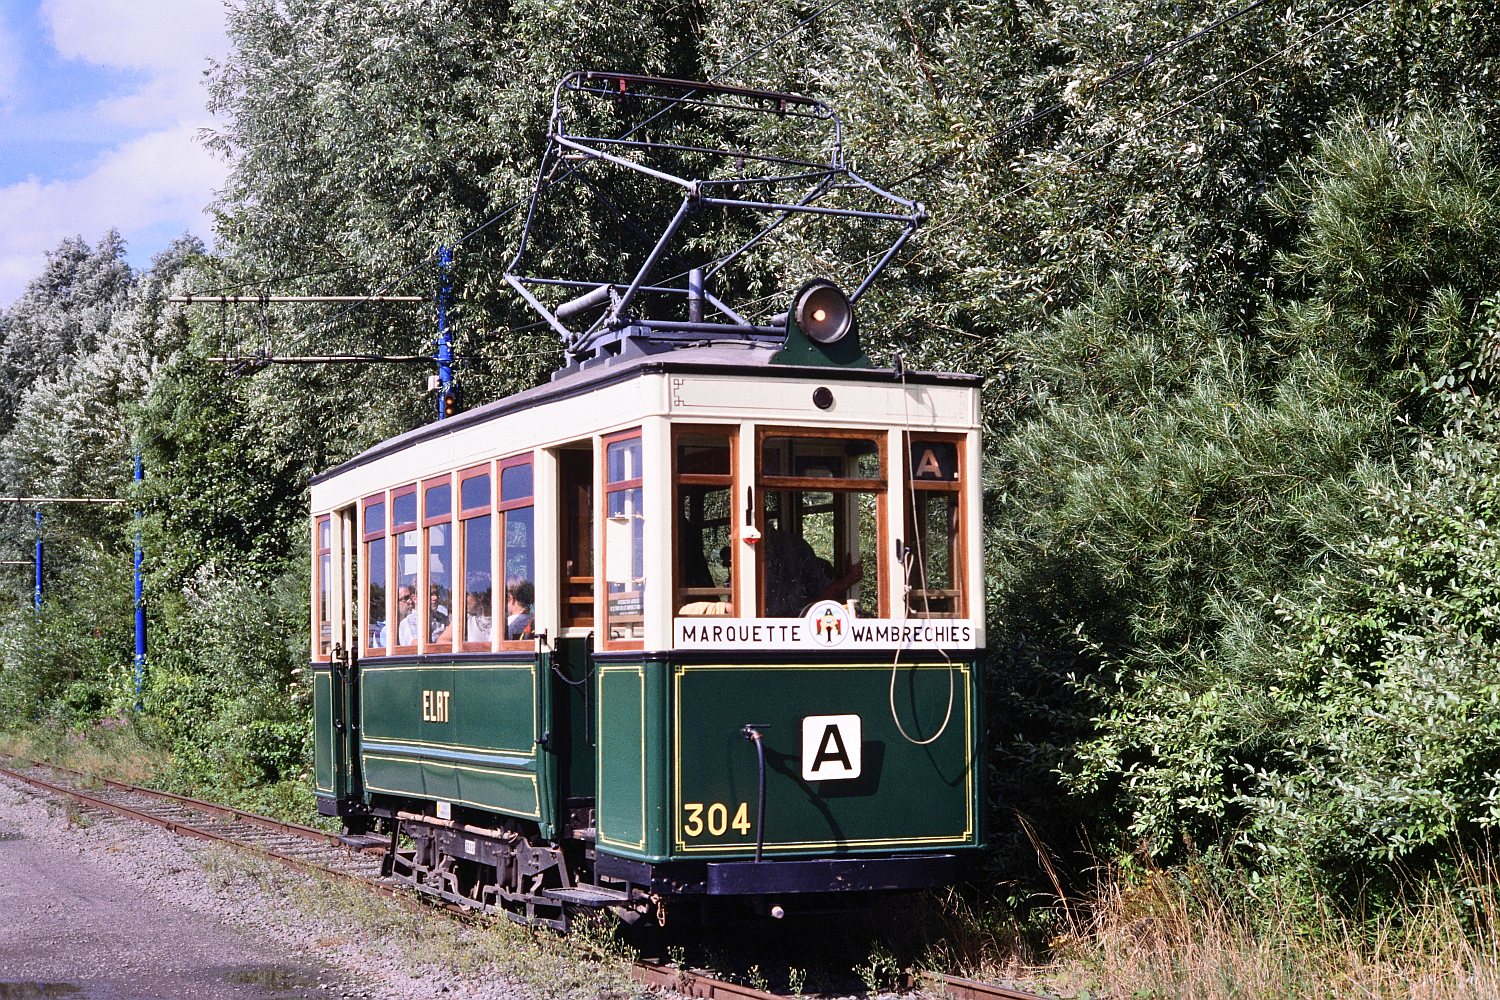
(406, 609)
(478, 624)
(518, 601)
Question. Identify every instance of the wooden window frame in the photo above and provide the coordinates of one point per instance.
(879, 487)
(731, 432)
(366, 537)
(461, 538)
(322, 595)
(425, 572)
(394, 579)
(601, 559)
(910, 486)
(500, 527)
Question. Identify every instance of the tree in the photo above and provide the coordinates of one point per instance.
(61, 315)
(1197, 491)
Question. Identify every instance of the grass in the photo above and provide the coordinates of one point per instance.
(1178, 935)
(115, 749)
(112, 749)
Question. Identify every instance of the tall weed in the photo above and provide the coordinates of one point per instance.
(1190, 934)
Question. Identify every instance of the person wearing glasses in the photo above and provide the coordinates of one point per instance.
(407, 626)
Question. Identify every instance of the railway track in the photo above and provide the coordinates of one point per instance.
(317, 852)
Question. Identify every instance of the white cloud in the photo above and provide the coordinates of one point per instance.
(169, 42)
(159, 101)
(160, 35)
(158, 183)
(155, 181)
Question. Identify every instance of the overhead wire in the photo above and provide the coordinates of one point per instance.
(1133, 69)
(1126, 72)
(515, 205)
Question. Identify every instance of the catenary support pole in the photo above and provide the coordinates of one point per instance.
(140, 604)
(37, 595)
(444, 337)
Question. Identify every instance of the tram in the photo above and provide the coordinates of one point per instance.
(696, 620)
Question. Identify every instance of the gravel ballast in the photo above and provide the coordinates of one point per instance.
(100, 908)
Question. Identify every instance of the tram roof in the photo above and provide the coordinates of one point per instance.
(710, 359)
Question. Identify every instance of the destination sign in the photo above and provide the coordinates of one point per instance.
(828, 625)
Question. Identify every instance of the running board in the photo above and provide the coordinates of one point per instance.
(589, 895)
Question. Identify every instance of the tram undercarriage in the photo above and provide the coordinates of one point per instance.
(500, 870)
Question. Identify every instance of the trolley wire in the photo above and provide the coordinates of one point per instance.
(1127, 72)
(510, 209)
(669, 105)
(1134, 69)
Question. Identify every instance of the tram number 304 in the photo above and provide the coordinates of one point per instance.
(714, 819)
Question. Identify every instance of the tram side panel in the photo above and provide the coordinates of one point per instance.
(460, 733)
(325, 730)
(679, 779)
(631, 757)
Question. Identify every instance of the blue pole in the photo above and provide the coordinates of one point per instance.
(444, 336)
(140, 604)
(37, 596)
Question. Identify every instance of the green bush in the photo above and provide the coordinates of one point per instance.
(1230, 517)
(1390, 682)
(70, 662)
(227, 689)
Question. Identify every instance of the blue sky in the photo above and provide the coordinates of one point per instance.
(101, 103)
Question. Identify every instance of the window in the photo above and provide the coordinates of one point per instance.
(822, 512)
(323, 544)
(404, 568)
(624, 540)
(703, 521)
(476, 624)
(437, 526)
(933, 557)
(518, 549)
(377, 611)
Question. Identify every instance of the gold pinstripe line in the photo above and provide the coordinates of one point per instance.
(640, 671)
(681, 846)
(488, 772)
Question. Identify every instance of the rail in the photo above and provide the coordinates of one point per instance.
(311, 851)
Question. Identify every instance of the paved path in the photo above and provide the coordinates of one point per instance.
(70, 926)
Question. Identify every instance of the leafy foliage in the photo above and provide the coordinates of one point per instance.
(1239, 478)
(227, 691)
(61, 315)
(1391, 698)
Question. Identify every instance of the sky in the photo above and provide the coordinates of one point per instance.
(101, 104)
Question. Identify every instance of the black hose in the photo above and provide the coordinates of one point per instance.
(753, 735)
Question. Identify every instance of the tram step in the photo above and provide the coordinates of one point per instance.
(359, 841)
(588, 895)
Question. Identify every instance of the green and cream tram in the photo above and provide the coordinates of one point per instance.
(625, 633)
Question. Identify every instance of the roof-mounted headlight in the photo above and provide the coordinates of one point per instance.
(823, 312)
(821, 329)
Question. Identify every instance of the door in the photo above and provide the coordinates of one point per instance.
(335, 663)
